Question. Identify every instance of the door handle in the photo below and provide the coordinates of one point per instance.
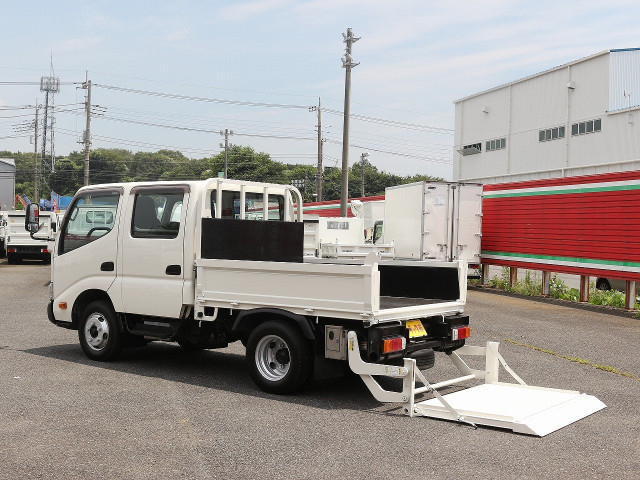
(173, 270)
(107, 267)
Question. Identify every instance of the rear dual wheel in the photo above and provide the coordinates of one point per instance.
(279, 358)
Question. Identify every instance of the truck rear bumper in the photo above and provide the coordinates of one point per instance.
(29, 251)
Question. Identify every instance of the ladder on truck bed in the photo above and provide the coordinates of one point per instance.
(515, 406)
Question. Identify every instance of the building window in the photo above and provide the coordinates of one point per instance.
(551, 134)
(497, 144)
(471, 149)
(589, 126)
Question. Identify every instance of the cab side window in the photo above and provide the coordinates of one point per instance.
(156, 215)
(90, 217)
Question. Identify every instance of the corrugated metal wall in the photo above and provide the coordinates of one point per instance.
(624, 77)
(587, 225)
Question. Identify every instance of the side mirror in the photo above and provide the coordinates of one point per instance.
(32, 218)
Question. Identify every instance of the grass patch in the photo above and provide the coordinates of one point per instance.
(531, 285)
(582, 361)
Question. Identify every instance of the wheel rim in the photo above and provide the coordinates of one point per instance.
(96, 331)
(273, 358)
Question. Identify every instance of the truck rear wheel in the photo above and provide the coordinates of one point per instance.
(279, 358)
(99, 333)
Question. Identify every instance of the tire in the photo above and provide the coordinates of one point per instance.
(603, 284)
(99, 332)
(279, 358)
(11, 259)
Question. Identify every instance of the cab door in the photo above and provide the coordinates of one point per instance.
(85, 255)
(153, 251)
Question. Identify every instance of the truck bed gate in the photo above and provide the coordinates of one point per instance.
(514, 406)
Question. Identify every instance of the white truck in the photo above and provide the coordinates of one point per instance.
(180, 261)
(3, 233)
(434, 220)
(20, 245)
(339, 237)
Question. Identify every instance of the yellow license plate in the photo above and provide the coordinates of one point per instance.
(416, 329)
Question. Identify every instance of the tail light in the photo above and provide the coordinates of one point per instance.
(44, 250)
(393, 344)
(11, 250)
(460, 333)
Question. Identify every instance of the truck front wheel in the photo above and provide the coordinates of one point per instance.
(99, 333)
(279, 358)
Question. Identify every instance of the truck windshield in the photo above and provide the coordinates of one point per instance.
(90, 217)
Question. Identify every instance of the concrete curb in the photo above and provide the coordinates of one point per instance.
(618, 312)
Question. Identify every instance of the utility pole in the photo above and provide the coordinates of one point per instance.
(363, 162)
(87, 133)
(35, 157)
(320, 142)
(226, 134)
(347, 64)
(50, 85)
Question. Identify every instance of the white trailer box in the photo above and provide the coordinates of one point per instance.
(434, 220)
(341, 230)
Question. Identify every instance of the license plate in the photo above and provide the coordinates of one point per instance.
(416, 329)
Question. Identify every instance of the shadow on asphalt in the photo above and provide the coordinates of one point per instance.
(224, 371)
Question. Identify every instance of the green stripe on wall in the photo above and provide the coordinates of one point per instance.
(567, 191)
(564, 259)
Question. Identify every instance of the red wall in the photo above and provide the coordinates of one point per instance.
(588, 225)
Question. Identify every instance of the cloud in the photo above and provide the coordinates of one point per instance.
(244, 11)
(76, 44)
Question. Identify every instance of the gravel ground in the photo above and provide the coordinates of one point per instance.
(160, 412)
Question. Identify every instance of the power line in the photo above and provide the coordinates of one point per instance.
(199, 99)
(200, 130)
(392, 123)
(37, 83)
(399, 154)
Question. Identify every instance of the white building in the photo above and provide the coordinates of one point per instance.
(575, 119)
(7, 183)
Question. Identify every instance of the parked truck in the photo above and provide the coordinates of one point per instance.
(433, 220)
(3, 233)
(20, 245)
(181, 261)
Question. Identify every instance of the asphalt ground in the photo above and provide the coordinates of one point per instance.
(161, 413)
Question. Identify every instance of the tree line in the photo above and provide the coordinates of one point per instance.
(120, 165)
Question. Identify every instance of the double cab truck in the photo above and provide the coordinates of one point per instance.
(216, 261)
(207, 263)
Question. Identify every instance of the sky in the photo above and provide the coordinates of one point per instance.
(221, 58)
